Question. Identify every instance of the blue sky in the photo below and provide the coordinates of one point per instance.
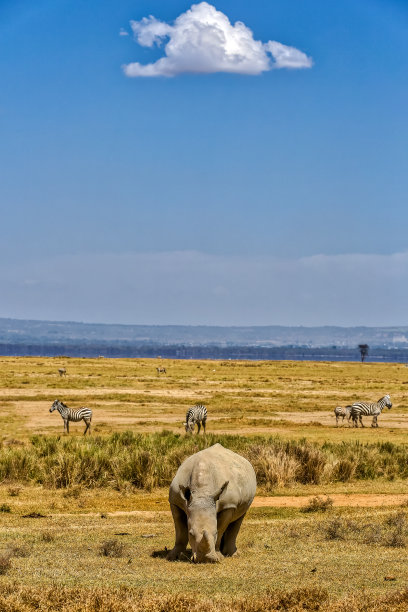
(204, 198)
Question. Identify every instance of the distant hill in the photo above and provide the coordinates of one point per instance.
(49, 333)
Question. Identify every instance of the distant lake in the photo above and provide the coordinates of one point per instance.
(183, 351)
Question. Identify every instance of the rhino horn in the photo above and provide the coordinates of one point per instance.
(207, 539)
(217, 494)
(206, 536)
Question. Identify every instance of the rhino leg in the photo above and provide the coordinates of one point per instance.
(228, 546)
(180, 525)
(223, 520)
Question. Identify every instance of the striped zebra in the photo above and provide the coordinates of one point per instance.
(196, 414)
(161, 370)
(342, 412)
(360, 409)
(62, 372)
(68, 415)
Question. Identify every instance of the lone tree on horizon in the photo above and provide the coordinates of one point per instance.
(363, 351)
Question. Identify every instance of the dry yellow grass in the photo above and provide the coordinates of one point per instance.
(280, 550)
(63, 569)
(294, 399)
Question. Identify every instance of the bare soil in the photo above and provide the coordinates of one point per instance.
(286, 501)
(351, 501)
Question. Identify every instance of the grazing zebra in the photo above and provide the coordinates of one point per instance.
(196, 414)
(342, 412)
(73, 415)
(360, 409)
(161, 370)
(62, 372)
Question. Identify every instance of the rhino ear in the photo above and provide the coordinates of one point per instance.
(185, 493)
(218, 493)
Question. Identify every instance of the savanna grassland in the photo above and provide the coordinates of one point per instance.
(85, 523)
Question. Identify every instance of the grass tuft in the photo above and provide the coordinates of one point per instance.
(318, 504)
(112, 548)
(5, 562)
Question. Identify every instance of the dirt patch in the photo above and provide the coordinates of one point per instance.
(351, 501)
(287, 501)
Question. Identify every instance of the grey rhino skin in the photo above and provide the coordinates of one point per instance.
(209, 497)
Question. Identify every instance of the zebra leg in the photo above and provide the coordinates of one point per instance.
(88, 424)
(361, 421)
(375, 422)
(204, 424)
(67, 425)
(199, 427)
(180, 525)
(337, 420)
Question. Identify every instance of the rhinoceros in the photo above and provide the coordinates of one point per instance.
(209, 497)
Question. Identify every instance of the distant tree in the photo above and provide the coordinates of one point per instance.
(363, 351)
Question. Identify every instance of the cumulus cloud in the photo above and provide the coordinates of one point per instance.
(203, 40)
(192, 288)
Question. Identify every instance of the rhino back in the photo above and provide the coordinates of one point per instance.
(207, 470)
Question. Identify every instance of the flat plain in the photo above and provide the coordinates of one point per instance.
(78, 544)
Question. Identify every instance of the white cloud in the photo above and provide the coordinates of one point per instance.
(203, 40)
(123, 32)
(196, 288)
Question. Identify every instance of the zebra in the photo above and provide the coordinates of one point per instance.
(161, 370)
(196, 414)
(360, 409)
(62, 372)
(68, 415)
(342, 412)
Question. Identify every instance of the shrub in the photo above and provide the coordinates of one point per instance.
(146, 461)
(112, 548)
(344, 470)
(5, 508)
(273, 468)
(396, 537)
(318, 504)
(335, 529)
(312, 463)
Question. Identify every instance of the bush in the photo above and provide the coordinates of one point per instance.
(273, 468)
(344, 470)
(112, 548)
(146, 461)
(318, 504)
(396, 538)
(335, 529)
